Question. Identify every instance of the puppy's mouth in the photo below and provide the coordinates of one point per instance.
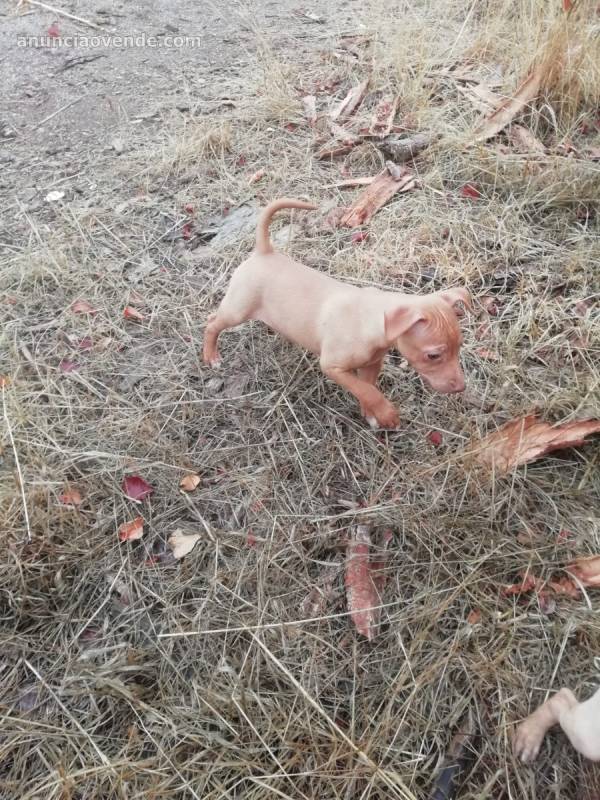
(455, 386)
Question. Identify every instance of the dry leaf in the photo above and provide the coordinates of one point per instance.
(524, 140)
(189, 482)
(526, 439)
(361, 592)
(375, 196)
(131, 530)
(470, 191)
(483, 352)
(136, 488)
(182, 543)
(383, 116)
(257, 176)
(68, 366)
(352, 183)
(129, 312)
(586, 570)
(71, 497)
(310, 108)
(435, 437)
(474, 616)
(83, 307)
(528, 583)
(565, 586)
(4, 381)
(510, 107)
(351, 102)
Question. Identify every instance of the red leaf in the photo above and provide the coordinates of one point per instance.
(186, 231)
(54, 31)
(71, 497)
(468, 190)
(547, 603)
(136, 488)
(241, 161)
(251, 539)
(68, 366)
(435, 437)
(567, 5)
(83, 307)
(132, 313)
(290, 126)
(85, 344)
(188, 208)
(131, 530)
(359, 236)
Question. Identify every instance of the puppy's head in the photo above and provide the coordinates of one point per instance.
(426, 331)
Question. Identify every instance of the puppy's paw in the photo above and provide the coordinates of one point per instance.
(528, 739)
(384, 416)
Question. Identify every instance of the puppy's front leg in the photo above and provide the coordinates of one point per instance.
(377, 409)
(531, 732)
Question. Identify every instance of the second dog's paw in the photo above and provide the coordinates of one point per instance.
(528, 740)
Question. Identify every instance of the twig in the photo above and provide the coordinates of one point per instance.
(17, 464)
(62, 13)
(58, 111)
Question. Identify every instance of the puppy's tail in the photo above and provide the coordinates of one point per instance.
(263, 243)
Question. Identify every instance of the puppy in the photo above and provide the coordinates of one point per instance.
(350, 329)
(580, 721)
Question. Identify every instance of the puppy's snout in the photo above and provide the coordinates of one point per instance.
(457, 385)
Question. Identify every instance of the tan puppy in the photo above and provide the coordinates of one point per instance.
(580, 721)
(349, 328)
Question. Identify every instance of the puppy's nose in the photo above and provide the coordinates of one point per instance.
(457, 385)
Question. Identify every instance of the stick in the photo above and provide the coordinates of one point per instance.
(18, 465)
(58, 111)
(62, 13)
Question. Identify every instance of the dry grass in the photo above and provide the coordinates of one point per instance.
(247, 700)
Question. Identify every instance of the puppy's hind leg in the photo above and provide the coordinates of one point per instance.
(232, 312)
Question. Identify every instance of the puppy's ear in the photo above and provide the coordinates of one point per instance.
(400, 320)
(458, 294)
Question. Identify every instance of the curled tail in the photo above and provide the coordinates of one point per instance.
(263, 243)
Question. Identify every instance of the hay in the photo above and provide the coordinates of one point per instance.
(248, 700)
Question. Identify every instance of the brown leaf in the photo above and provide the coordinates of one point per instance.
(383, 116)
(4, 381)
(361, 592)
(310, 108)
(182, 543)
(474, 616)
(71, 497)
(129, 312)
(510, 107)
(524, 140)
(489, 355)
(257, 176)
(527, 439)
(351, 102)
(375, 196)
(586, 570)
(528, 584)
(352, 183)
(83, 307)
(131, 530)
(189, 482)
(565, 586)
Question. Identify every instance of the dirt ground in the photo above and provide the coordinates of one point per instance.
(131, 177)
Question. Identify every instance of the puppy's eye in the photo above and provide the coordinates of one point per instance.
(434, 356)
